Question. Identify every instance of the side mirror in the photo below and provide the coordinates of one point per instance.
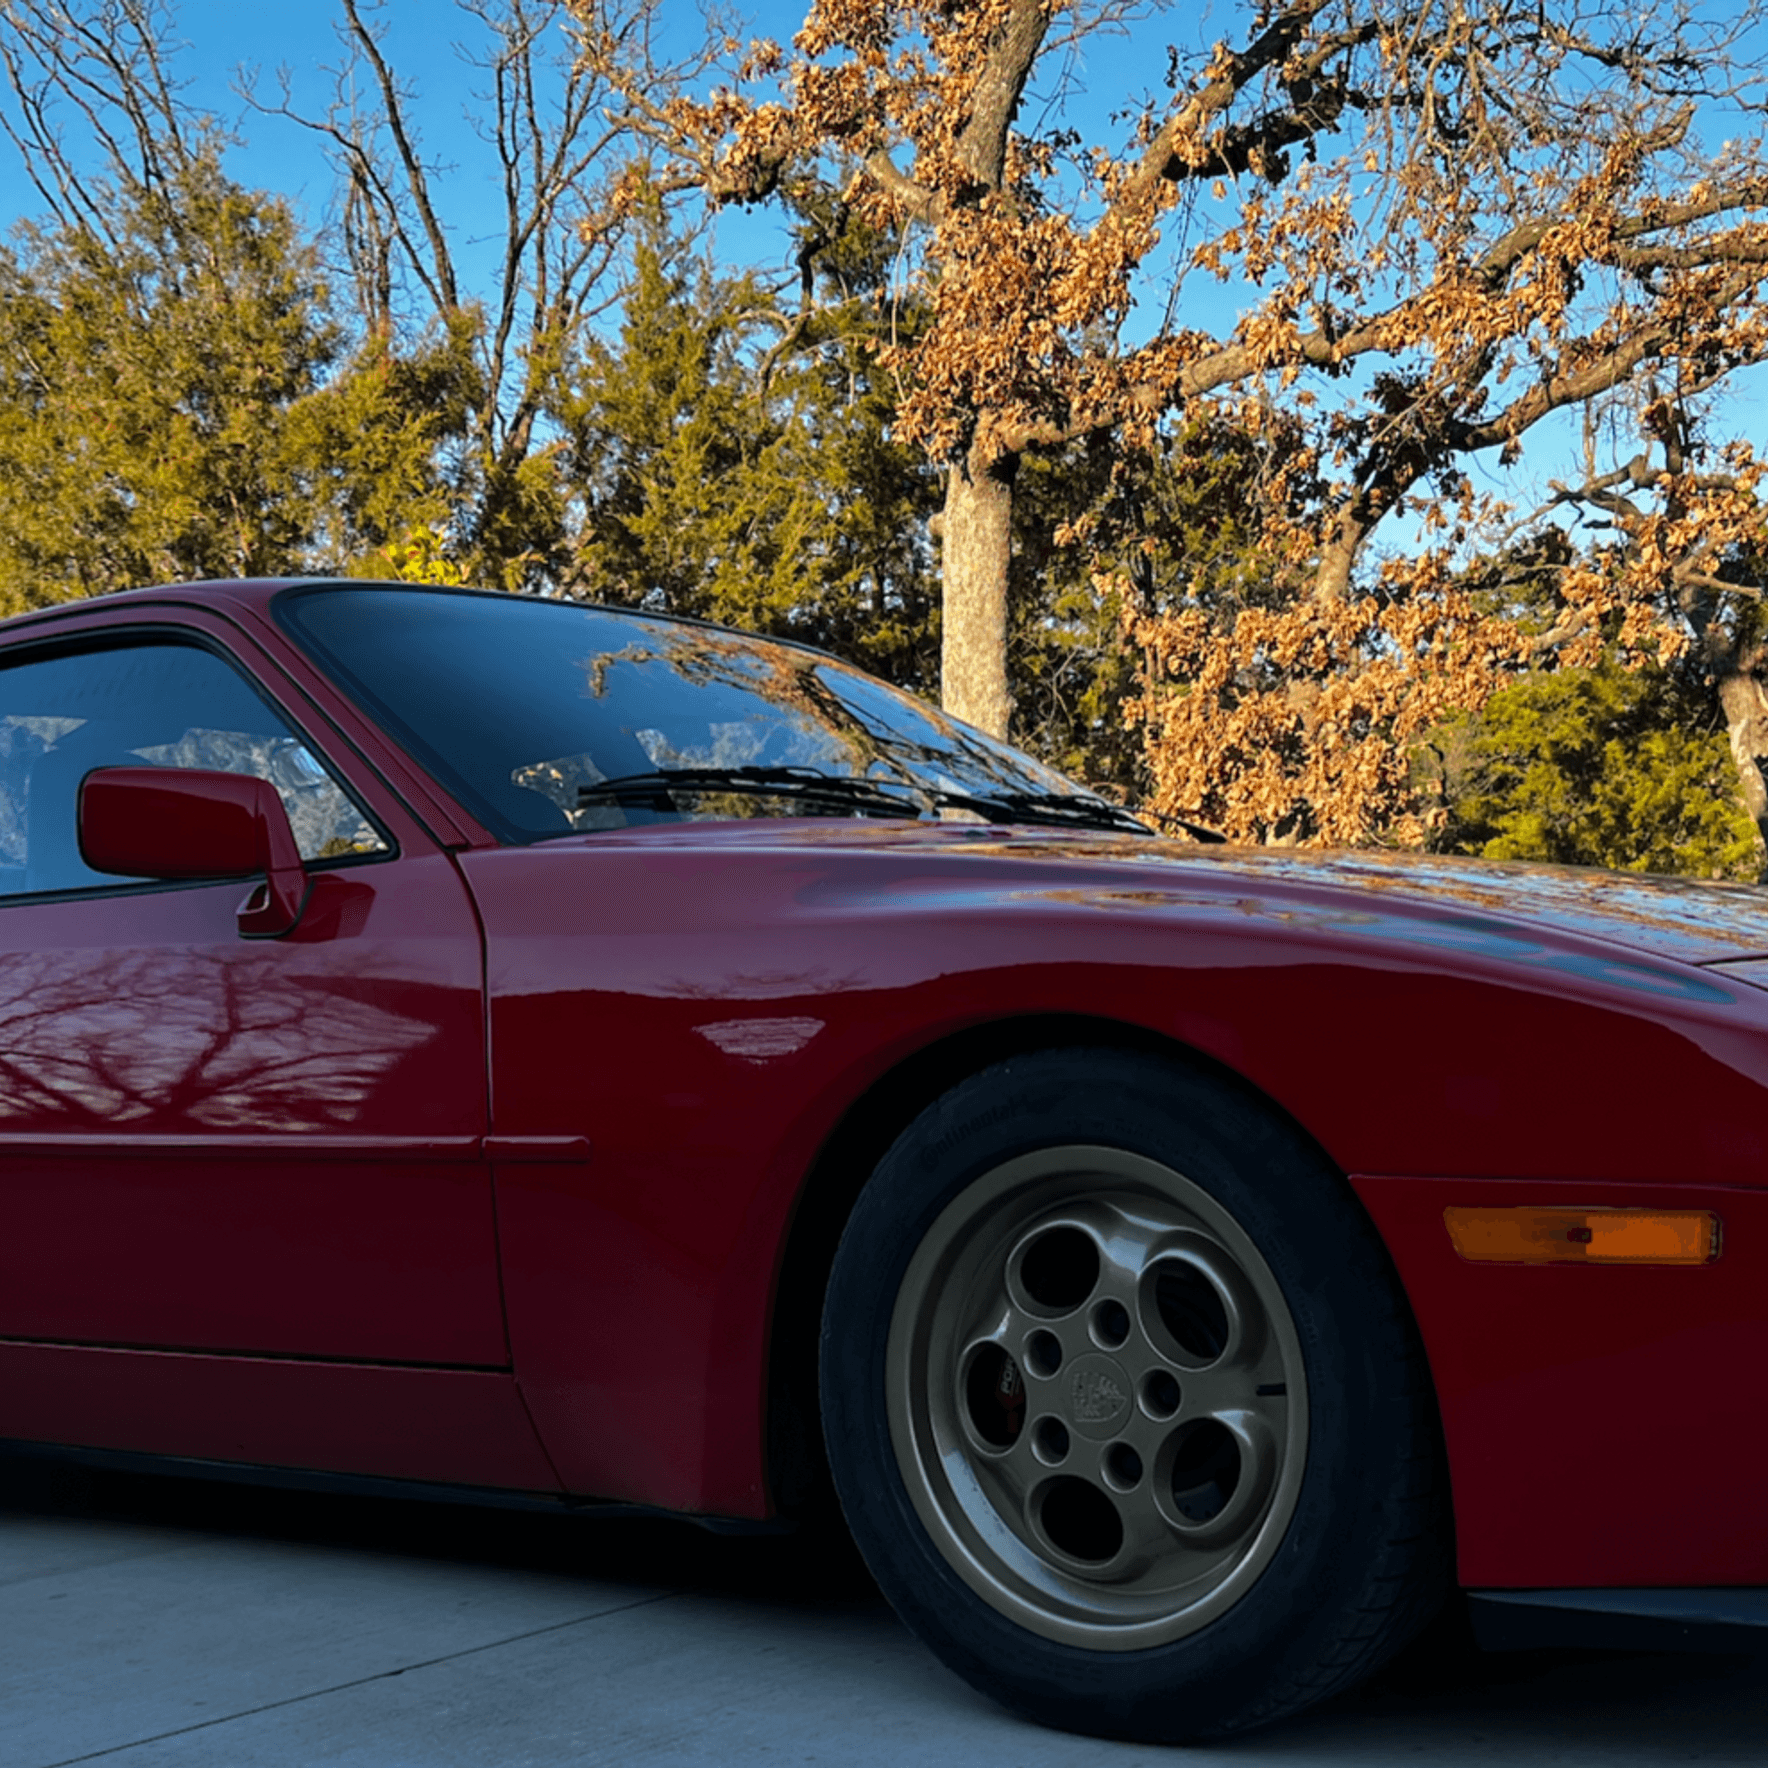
(177, 822)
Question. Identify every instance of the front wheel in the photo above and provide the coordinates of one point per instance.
(1123, 1404)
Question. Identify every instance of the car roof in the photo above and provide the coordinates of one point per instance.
(256, 594)
(221, 594)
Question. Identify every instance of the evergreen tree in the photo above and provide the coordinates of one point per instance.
(176, 400)
(1605, 766)
(145, 378)
(734, 463)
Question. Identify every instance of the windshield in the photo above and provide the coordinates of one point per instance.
(524, 708)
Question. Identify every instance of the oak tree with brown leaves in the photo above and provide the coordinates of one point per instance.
(1449, 219)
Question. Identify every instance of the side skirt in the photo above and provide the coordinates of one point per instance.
(361, 1485)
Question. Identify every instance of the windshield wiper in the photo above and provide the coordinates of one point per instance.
(849, 793)
(839, 792)
(1058, 809)
(1201, 833)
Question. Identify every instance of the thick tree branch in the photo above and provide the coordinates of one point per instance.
(1000, 84)
(915, 201)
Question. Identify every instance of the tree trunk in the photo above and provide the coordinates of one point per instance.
(976, 542)
(1745, 702)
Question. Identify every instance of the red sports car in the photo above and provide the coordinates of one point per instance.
(561, 1054)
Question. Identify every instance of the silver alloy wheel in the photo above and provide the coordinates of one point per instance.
(1096, 1398)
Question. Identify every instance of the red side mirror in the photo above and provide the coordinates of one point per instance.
(176, 822)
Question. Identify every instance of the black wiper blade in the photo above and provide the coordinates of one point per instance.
(849, 792)
(655, 790)
(1201, 833)
(1061, 809)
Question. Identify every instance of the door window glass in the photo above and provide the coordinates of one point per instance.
(145, 705)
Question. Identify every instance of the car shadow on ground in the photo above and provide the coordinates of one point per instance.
(801, 1569)
(1442, 1698)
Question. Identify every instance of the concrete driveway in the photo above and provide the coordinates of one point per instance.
(148, 1621)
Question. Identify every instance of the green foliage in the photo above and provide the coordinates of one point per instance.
(143, 383)
(177, 402)
(375, 445)
(1597, 767)
(734, 463)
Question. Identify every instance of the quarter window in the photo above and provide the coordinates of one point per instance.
(163, 704)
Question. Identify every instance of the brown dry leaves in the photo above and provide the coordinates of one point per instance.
(1293, 726)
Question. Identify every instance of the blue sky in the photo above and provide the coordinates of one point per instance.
(220, 41)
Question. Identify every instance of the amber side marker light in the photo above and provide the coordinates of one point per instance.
(1584, 1236)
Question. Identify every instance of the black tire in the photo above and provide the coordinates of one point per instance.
(1024, 1162)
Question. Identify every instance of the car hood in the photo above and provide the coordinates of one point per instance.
(1684, 919)
(1688, 919)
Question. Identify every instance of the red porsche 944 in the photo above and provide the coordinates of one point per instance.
(530, 1049)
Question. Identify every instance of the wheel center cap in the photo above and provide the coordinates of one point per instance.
(1097, 1393)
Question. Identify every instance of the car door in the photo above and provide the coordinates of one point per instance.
(217, 1144)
